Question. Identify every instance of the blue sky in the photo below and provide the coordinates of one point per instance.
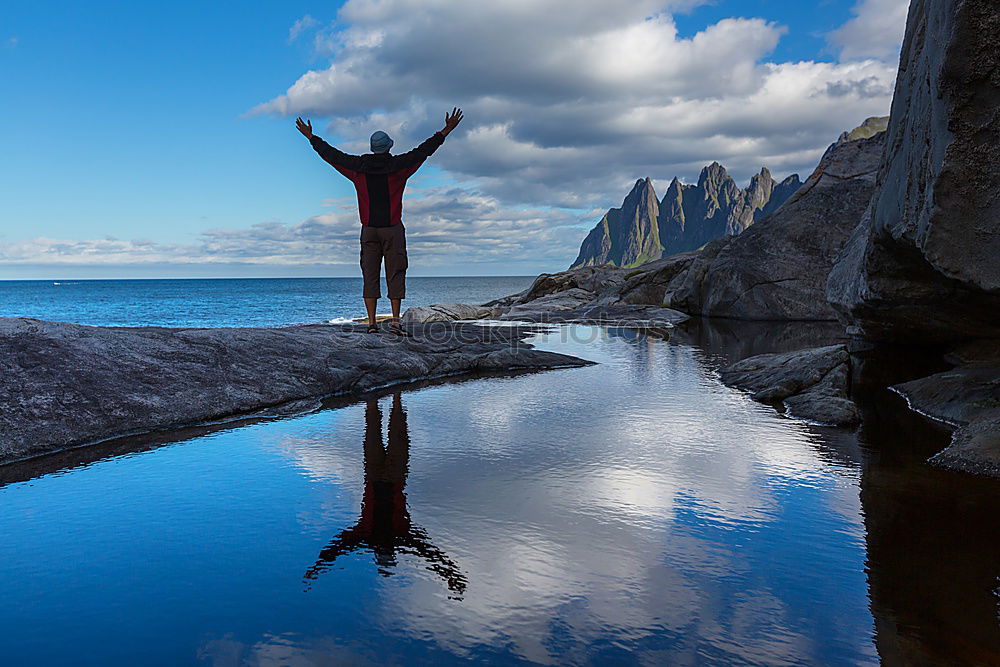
(156, 139)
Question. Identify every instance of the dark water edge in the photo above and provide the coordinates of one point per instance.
(931, 557)
(932, 535)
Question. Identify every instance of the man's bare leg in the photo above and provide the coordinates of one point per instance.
(370, 307)
(395, 309)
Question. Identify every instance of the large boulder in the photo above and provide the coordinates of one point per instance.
(602, 294)
(922, 265)
(777, 268)
(535, 309)
(811, 384)
(598, 280)
(649, 283)
(563, 291)
(444, 312)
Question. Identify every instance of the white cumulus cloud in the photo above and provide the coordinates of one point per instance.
(447, 226)
(567, 103)
(876, 31)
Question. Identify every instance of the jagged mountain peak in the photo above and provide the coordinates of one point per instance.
(714, 168)
(689, 216)
(714, 174)
(686, 218)
(674, 189)
(641, 194)
(764, 176)
(642, 184)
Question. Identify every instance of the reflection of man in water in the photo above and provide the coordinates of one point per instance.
(384, 526)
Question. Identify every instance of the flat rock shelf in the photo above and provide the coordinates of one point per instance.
(65, 385)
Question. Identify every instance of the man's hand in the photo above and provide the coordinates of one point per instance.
(451, 120)
(305, 128)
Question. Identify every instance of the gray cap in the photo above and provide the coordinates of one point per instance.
(381, 142)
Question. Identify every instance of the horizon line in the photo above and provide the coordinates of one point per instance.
(80, 280)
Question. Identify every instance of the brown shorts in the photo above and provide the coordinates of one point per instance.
(390, 243)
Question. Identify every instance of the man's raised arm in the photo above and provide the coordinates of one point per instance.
(338, 159)
(415, 157)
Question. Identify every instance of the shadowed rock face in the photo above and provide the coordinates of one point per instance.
(777, 269)
(923, 263)
(64, 384)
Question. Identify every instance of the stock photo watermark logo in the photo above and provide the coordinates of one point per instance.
(546, 328)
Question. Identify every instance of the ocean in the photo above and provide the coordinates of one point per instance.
(250, 302)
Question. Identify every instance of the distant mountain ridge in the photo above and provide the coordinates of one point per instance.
(689, 216)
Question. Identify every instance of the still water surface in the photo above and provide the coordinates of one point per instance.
(632, 512)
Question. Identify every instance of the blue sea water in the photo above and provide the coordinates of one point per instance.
(252, 302)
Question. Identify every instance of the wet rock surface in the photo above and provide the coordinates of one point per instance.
(974, 448)
(812, 383)
(63, 385)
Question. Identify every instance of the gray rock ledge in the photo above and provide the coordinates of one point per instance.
(64, 385)
(968, 398)
(812, 384)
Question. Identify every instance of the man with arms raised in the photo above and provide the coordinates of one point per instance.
(380, 177)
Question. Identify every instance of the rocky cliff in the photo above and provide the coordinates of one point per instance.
(923, 265)
(777, 269)
(625, 236)
(688, 217)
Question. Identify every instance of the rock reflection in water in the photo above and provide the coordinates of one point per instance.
(931, 534)
(385, 527)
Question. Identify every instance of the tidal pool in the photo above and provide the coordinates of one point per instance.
(632, 512)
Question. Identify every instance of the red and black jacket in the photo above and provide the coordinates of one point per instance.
(379, 178)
